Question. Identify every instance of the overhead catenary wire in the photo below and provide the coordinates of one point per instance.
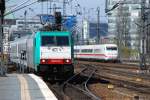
(12, 11)
(18, 6)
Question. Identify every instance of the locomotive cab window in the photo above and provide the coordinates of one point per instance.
(111, 48)
(62, 40)
(48, 41)
(55, 41)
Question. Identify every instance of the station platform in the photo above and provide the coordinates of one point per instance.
(24, 87)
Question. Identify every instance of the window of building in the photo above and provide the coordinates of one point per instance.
(36, 26)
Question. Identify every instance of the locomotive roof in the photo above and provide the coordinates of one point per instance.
(57, 33)
(53, 33)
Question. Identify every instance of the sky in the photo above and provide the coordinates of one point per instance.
(88, 8)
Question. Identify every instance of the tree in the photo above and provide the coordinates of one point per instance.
(123, 25)
(122, 28)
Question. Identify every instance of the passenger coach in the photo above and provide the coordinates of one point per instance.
(105, 52)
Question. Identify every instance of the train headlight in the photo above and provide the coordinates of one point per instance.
(43, 60)
(67, 61)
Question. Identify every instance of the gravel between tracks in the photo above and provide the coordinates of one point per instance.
(116, 92)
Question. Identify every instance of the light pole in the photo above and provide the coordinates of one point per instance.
(76, 28)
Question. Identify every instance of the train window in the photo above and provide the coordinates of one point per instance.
(62, 40)
(48, 41)
(111, 48)
(86, 50)
(76, 50)
(97, 50)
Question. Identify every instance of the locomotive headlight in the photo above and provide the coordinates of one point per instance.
(43, 61)
(67, 61)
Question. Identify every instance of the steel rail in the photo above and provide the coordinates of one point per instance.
(124, 83)
(86, 87)
(117, 70)
(86, 91)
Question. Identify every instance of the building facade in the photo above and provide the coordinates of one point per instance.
(22, 27)
(12, 28)
(122, 21)
(6, 30)
(93, 29)
(89, 32)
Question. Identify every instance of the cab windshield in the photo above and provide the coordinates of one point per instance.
(55, 41)
(111, 48)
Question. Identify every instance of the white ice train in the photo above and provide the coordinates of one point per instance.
(103, 52)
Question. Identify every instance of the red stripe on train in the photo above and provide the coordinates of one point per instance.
(55, 61)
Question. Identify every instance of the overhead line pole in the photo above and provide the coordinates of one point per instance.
(25, 20)
(64, 7)
(143, 38)
(98, 25)
(50, 6)
(2, 10)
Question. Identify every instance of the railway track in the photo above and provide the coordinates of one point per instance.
(76, 87)
(122, 78)
(113, 65)
(126, 84)
(119, 68)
